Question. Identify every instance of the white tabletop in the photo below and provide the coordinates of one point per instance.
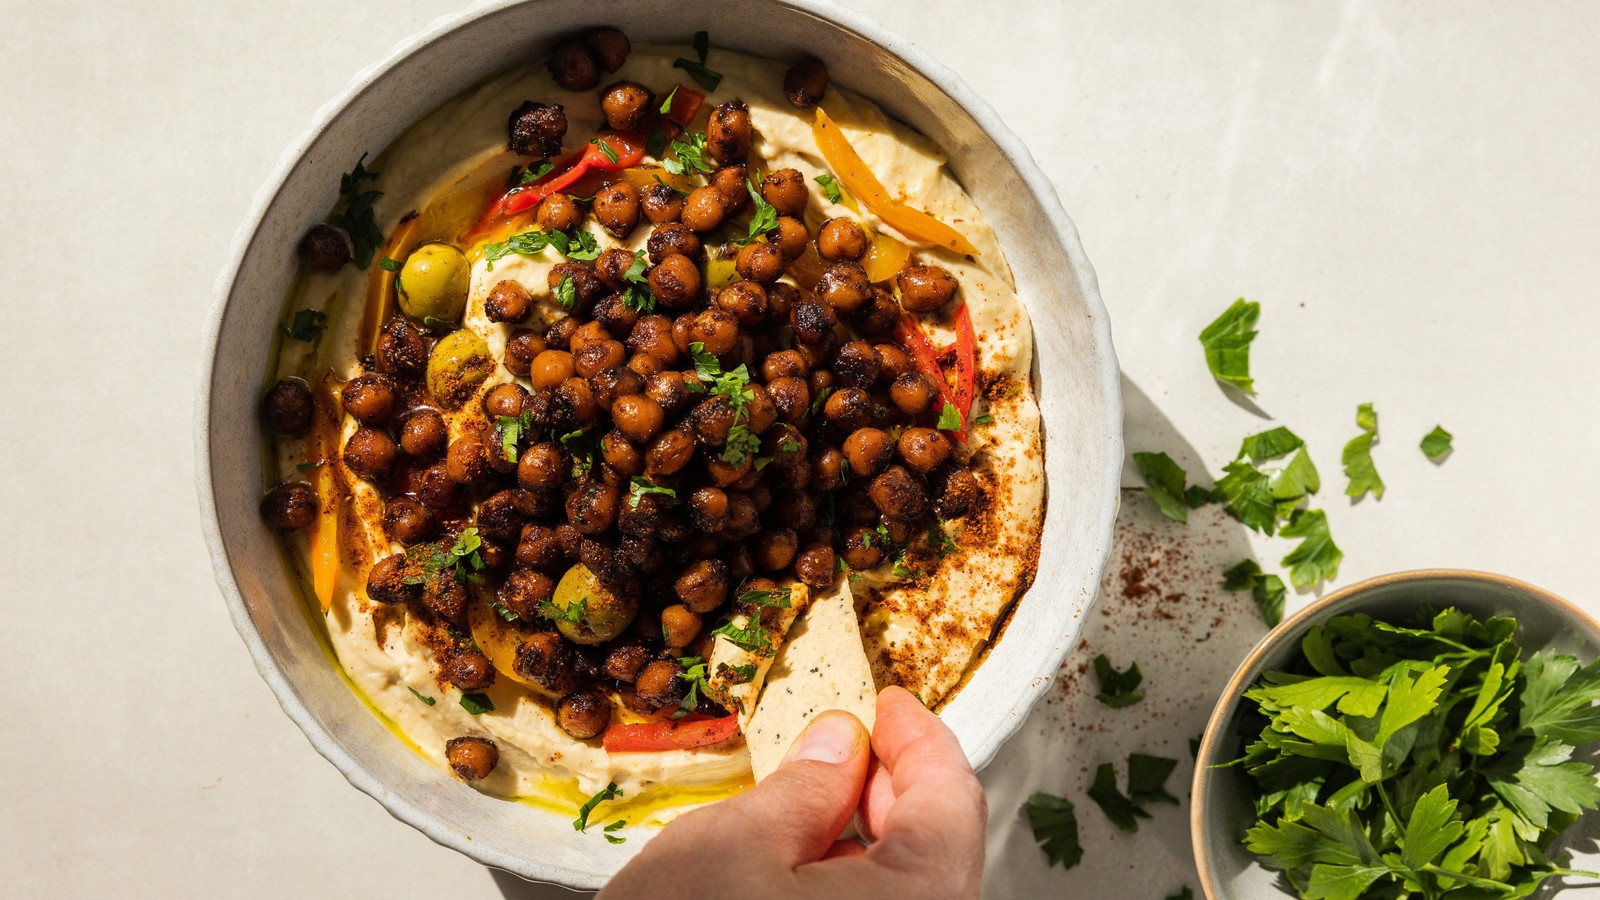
(1412, 192)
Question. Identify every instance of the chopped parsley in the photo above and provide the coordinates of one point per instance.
(941, 539)
(356, 217)
(1267, 590)
(775, 597)
(751, 639)
(949, 418)
(666, 105)
(1118, 689)
(743, 674)
(1357, 457)
(818, 401)
(463, 559)
(605, 148)
(1147, 777)
(566, 293)
(609, 792)
(579, 245)
(830, 188)
(984, 419)
(477, 704)
(641, 486)
(688, 155)
(389, 265)
(421, 696)
(694, 674)
(763, 220)
(1055, 826)
(901, 570)
(572, 613)
(530, 174)
(636, 296)
(1437, 442)
(697, 70)
(619, 824)
(306, 325)
(504, 611)
(307, 467)
(740, 445)
(1164, 483)
(511, 432)
(1227, 344)
(1316, 557)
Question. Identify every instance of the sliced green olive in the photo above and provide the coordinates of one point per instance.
(433, 283)
(720, 273)
(587, 611)
(459, 363)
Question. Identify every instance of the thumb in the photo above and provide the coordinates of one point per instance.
(797, 812)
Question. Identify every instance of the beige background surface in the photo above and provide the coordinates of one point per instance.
(1411, 190)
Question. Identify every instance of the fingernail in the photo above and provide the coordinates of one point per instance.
(830, 738)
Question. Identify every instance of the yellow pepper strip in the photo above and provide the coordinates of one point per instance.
(324, 535)
(380, 284)
(885, 257)
(858, 179)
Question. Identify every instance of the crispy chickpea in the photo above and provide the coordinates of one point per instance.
(731, 181)
(783, 364)
(652, 334)
(369, 453)
(585, 334)
(728, 133)
(725, 474)
(785, 445)
(507, 400)
(538, 549)
(746, 300)
(863, 549)
(626, 661)
(841, 239)
(795, 509)
(669, 391)
(821, 380)
(595, 356)
(675, 281)
(369, 399)
(844, 286)
(815, 566)
(559, 212)
(583, 714)
(287, 408)
(703, 585)
(878, 316)
(711, 421)
(892, 362)
(848, 408)
(898, 493)
(781, 299)
(806, 82)
(705, 208)
(680, 625)
(435, 489)
(673, 237)
(408, 521)
(290, 506)
(592, 508)
(925, 288)
(573, 66)
(609, 46)
(541, 467)
(669, 452)
(621, 454)
(827, 469)
(546, 659)
(761, 412)
(958, 492)
(612, 266)
(856, 364)
(626, 105)
(661, 204)
(559, 335)
(792, 238)
(471, 758)
(578, 397)
(521, 347)
(785, 190)
(614, 314)
(536, 129)
(616, 208)
(759, 261)
(774, 549)
(817, 354)
(386, 582)
(500, 517)
(402, 350)
(812, 321)
(913, 393)
(659, 684)
(550, 368)
(869, 451)
(467, 459)
(507, 302)
(324, 249)
(644, 364)
(923, 449)
(468, 670)
(717, 329)
(791, 397)
(638, 417)
(609, 384)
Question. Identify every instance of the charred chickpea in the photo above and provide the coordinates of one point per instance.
(616, 208)
(728, 133)
(795, 509)
(759, 261)
(386, 582)
(680, 625)
(644, 364)
(841, 239)
(408, 521)
(669, 391)
(806, 82)
(821, 380)
(812, 321)
(621, 454)
(538, 548)
(869, 451)
(957, 492)
(541, 467)
(471, 758)
(610, 384)
(612, 268)
(925, 288)
(827, 469)
(369, 399)
(786, 446)
(743, 520)
(609, 46)
(898, 493)
(583, 714)
(745, 300)
(705, 208)
(844, 286)
(661, 204)
(791, 398)
(546, 659)
(290, 506)
(781, 299)
(659, 684)
(786, 191)
(669, 452)
(760, 413)
(467, 460)
(792, 238)
(435, 489)
(550, 368)
(323, 249)
(774, 549)
(818, 353)
(862, 548)
(652, 334)
(505, 400)
(507, 302)
(675, 281)
(711, 421)
(573, 66)
(717, 329)
(879, 315)
(784, 364)
(913, 393)
(402, 350)
(638, 417)
(287, 408)
(595, 356)
(559, 212)
(732, 183)
(588, 333)
(559, 334)
(592, 508)
(703, 585)
(521, 347)
(369, 453)
(536, 129)
(468, 670)
(815, 565)
(615, 315)
(848, 408)
(673, 237)
(923, 449)
(626, 105)
(580, 401)
(626, 661)
(892, 362)
(856, 364)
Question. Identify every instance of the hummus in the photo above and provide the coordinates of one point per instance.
(925, 618)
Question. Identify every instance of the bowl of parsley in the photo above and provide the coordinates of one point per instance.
(1429, 733)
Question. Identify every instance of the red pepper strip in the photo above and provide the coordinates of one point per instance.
(910, 335)
(685, 105)
(628, 148)
(966, 366)
(646, 737)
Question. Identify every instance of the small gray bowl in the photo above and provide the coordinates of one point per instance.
(1220, 809)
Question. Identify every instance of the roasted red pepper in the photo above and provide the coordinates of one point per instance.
(626, 150)
(926, 358)
(684, 734)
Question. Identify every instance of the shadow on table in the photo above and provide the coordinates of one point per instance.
(514, 888)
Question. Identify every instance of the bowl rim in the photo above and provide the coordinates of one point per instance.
(1106, 382)
(1200, 838)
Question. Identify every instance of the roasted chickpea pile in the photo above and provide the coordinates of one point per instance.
(664, 445)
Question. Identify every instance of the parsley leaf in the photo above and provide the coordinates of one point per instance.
(605, 148)
(511, 431)
(1164, 483)
(1316, 557)
(707, 78)
(636, 296)
(763, 220)
(830, 187)
(421, 696)
(1267, 590)
(775, 597)
(1357, 456)
(666, 105)
(578, 245)
(1246, 493)
(477, 704)
(949, 418)
(751, 639)
(741, 443)
(306, 325)
(1055, 826)
(1184, 893)
(1122, 811)
(389, 265)
(609, 792)
(538, 170)
(1436, 443)
(688, 155)
(566, 293)
(694, 674)
(702, 44)
(641, 485)
(1227, 344)
(1147, 778)
(1117, 689)
(615, 826)
(741, 674)
(357, 218)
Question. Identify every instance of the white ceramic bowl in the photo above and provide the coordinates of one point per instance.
(1220, 809)
(1076, 367)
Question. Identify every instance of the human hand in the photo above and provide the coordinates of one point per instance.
(921, 807)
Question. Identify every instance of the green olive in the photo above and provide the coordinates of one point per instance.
(459, 363)
(433, 283)
(588, 612)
